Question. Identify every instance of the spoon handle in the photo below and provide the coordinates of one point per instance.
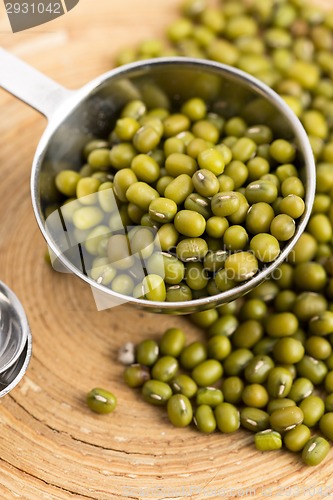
(29, 85)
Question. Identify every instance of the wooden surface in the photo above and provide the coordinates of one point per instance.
(52, 446)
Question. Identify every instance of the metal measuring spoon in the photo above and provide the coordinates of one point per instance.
(15, 340)
(76, 116)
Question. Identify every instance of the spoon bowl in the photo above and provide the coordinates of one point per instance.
(15, 340)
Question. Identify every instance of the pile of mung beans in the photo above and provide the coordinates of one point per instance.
(267, 362)
(182, 204)
(257, 372)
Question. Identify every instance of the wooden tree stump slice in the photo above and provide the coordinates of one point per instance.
(52, 446)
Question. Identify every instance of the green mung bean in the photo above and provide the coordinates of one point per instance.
(101, 401)
(204, 419)
(268, 440)
(315, 451)
(179, 410)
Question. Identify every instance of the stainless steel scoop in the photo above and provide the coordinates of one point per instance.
(76, 116)
(15, 340)
(13, 329)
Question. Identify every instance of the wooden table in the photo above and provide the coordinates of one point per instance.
(52, 446)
